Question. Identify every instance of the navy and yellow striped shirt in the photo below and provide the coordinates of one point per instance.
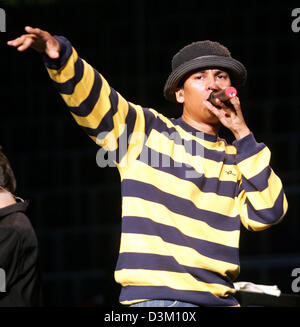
(184, 193)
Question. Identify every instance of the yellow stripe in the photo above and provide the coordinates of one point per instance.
(217, 146)
(162, 144)
(140, 243)
(110, 141)
(133, 301)
(181, 188)
(244, 213)
(175, 280)
(230, 149)
(100, 109)
(285, 206)
(66, 72)
(107, 140)
(188, 226)
(266, 199)
(257, 226)
(82, 88)
(136, 141)
(252, 166)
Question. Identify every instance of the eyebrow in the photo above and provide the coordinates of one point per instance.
(221, 72)
(218, 72)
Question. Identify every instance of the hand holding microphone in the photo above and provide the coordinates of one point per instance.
(222, 95)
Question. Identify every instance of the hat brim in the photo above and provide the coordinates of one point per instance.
(236, 70)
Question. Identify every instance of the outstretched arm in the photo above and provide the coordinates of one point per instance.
(96, 107)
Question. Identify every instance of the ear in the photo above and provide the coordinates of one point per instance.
(179, 93)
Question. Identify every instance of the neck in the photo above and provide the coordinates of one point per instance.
(6, 199)
(203, 127)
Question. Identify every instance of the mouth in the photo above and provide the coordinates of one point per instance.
(211, 99)
(210, 95)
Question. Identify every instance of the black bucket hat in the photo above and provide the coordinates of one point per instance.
(200, 55)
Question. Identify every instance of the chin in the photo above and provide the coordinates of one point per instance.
(212, 119)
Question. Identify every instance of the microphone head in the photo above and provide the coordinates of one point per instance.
(230, 92)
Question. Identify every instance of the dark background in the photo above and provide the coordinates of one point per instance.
(75, 205)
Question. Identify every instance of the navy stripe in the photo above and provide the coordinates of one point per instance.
(65, 53)
(192, 147)
(161, 127)
(105, 126)
(191, 129)
(172, 235)
(148, 261)
(247, 147)
(130, 293)
(183, 171)
(107, 123)
(258, 182)
(149, 120)
(178, 205)
(86, 107)
(68, 87)
(267, 216)
(130, 119)
(114, 100)
(154, 122)
(123, 141)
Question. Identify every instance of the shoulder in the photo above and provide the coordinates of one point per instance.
(16, 225)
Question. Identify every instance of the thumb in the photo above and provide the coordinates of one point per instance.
(53, 54)
(52, 48)
(32, 30)
(211, 108)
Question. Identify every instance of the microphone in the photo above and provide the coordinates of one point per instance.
(223, 95)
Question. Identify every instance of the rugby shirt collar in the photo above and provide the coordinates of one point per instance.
(191, 129)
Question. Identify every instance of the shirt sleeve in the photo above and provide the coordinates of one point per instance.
(96, 107)
(261, 196)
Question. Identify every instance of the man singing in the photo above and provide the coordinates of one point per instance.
(181, 213)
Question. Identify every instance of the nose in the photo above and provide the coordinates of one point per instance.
(211, 83)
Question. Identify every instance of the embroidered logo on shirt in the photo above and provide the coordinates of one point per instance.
(230, 172)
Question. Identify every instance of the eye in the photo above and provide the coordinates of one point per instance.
(199, 77)
(222, 76)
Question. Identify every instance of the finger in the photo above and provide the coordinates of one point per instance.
(14, 42)
(32, 30)
(38, 33)
(235, 105)
(212, 108)
(235, 101)
(219, 102)
(226, 106)
(26, 44)
(18, 41)
(220, 113)
(11, 42)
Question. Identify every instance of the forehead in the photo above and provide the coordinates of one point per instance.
(209, 70)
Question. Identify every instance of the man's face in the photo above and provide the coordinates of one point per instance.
(196, 89)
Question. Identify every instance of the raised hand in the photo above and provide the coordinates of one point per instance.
(230, 117)
(39, 40)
